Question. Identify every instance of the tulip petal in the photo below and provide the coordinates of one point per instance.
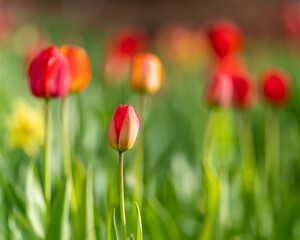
(58, 77)
(129, 130)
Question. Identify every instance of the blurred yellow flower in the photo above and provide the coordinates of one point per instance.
(25, 127)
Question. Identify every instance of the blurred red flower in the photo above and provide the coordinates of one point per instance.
(291, 20)
(243, 91)
(122, 44)
(275, 86)
(225, 37)
(232, 64)
(220, 90)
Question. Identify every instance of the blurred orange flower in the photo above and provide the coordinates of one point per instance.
(79, 65)
(183, 44)
(147, 73)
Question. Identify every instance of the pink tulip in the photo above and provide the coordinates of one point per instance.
(123, 128)
(50, 74)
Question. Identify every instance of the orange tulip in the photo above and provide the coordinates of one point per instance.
(147, 73)
(80, 67)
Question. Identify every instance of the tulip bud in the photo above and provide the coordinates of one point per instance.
(49, 74)
(220, 90)
(275, 85)
(123, 128)
(147, 73)
(225, 37)
(79, 65)
(243, 91)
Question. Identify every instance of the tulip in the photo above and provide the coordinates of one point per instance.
(79, 65)
(232, 64)
(147, 73)
(50, 74)
(121, 46)
(220, 90)
(291, 20)
(225, 37)
(123, 128)
(275, 85)
(243, 91)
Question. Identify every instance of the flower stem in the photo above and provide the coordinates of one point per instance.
(122, 203)
(66, 151)
(66, 144)
(47, 164)
(211, 182)
(272, 151)
(139, 157)
(249, 170)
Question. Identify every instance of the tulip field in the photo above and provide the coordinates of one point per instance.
(184, 132)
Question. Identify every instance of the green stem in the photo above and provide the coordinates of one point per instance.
(211, 182)
(139, 156)
(47, 165)
(66, 151)
(122, 203)
(249, 169)
(272, 151)
(66, 143)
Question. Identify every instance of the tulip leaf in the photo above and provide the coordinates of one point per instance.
(35, 202)
(12, 194)
(139, 223)
(115, 224)
(90, 222)
(59, 224)
(78, 214)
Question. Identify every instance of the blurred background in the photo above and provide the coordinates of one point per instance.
(181, 197)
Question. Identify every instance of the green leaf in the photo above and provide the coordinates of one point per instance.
(36, 206)
(166, 218)
(139, 223)
(59, 224)
(212, 185)
(78, 214)
(115, 224)
(90, 221)
(11, 192)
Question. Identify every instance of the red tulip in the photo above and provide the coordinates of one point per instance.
(291, 20)
(50, 74)
(275, 85)
(220, 90)
(80, 67)
(225, 37)
(232, 64)
(243, 91)
(123, 128)
(122, 45)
